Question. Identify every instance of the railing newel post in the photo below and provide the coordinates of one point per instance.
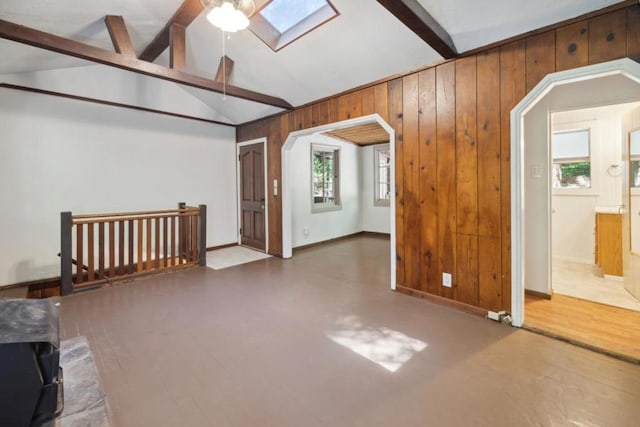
(202, 235)
(66, 266)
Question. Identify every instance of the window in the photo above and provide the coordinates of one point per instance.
(634, 159)
(382, 175)
(281, 22)
(325, 188)
(571, 159)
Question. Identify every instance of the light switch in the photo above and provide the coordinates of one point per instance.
(537, 171)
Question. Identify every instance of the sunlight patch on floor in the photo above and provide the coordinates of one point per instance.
(383, 346)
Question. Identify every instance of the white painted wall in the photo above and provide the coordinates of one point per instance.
(374, 218)
(330, 224)
(536, 206)
(65, 155)
(573, 218)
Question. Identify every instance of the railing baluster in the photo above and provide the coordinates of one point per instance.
(148, 260)
(121, 266)
(173, 240)
(194, 239)
(112, 250)
(90, 256)
(181, 239)
(140, 227)
(165, 262)
(79, 253)
(157, 228)
(130, 264)
(101, 250)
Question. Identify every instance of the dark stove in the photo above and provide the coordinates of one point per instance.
(31, 392)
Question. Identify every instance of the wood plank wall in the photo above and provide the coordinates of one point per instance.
(452, 124)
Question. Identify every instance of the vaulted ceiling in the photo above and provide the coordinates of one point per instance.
(365, 43)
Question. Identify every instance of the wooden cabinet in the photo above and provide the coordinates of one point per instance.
(609, 243)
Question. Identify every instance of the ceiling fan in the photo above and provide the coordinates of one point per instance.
(229, 15)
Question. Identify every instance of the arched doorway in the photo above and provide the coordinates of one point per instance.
(285, 190)
(614, 82)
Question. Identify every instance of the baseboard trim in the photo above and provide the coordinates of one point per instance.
(375, 234)
(461, 306)
(538, 294)
(228, 245)
(614, 278)
(40, 288)
(573, 259)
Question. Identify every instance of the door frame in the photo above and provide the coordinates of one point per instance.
(545, 96)
(262, 141)
(285, 185)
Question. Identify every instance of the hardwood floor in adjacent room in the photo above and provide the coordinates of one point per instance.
(320, 340)
(603, 327)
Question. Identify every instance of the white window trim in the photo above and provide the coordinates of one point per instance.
(376, 175)
(326, 207)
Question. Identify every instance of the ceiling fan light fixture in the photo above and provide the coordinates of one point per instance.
(229, 15)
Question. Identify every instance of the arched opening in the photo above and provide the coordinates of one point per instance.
(286, 185)
(614, 82)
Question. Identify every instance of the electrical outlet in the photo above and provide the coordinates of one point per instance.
(305, 231)
(446, 279)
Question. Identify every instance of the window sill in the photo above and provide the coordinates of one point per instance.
(321, 209)
(575, 192)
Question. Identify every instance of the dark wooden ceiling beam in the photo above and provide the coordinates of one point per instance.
(185, 15)
(177, 46)
(224, 69)
(51, 42)
(119, 35)
(417, 19)
(110, 103)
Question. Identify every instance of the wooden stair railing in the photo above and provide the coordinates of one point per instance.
(113, 246)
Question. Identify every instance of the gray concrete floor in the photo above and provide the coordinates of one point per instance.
(320, 340)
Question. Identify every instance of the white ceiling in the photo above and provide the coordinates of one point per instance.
(473, 24)
(365, 43)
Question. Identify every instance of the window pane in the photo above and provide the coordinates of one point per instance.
(634, 143)
(324, 177)
(284, 14)
(634, 169)
(571, 175)
(382, 175)
(570, 145)
(384, 157)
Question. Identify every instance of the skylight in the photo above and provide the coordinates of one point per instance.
(284, 14)
(281, 22)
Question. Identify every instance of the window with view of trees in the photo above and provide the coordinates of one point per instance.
(324, 178)
(382, 175)
(571, 159)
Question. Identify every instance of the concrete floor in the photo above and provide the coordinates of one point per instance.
(320, 340)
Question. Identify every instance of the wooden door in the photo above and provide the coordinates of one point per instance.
(252, 208)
